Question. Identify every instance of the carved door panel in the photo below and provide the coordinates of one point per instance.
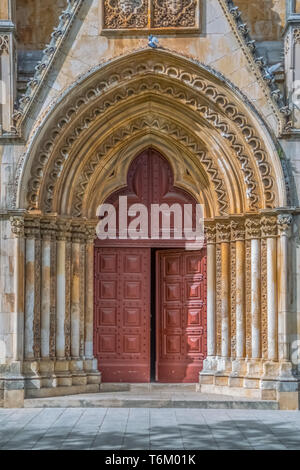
(122, 314)
(181, 315)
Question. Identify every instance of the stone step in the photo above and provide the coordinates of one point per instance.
(148, 387)
(154, 400)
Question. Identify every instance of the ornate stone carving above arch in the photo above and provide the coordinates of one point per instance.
(186, 87)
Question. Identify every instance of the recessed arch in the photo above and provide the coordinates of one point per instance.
(236, 136)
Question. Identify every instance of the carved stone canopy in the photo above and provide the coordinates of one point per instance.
(150, 15)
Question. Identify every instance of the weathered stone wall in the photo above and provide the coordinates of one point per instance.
(36, 20)
(266, 18)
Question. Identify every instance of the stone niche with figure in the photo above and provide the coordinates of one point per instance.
(159, 16)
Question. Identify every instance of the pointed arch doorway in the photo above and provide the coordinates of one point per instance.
(150, 294)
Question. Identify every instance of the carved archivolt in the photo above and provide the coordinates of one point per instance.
(216, 120)
(196, 92)
(170, 129)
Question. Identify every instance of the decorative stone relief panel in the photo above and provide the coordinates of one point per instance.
(150, 15)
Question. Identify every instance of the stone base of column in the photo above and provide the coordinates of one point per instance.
(11, 386)
(254, 379)
(50, 377)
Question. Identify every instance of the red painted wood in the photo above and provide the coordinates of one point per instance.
(122, 314)
(122, 291)
(181, 315)
(150, 180)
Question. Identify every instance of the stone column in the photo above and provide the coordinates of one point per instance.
(61, 291)
(284, 226)
(254, 364)
(210, 232)
(90, 363)
(75, 298)
(32, 290)
(269, 232)
(223, 237)
(12, 381)
(253, 228)
(288, 388)
(89, 289)
(47, 236)
(17, 226)
(238, 236)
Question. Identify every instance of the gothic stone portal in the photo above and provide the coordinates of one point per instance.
(150, 304)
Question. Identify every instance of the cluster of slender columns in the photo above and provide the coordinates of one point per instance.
(256, 308)
(58, 299)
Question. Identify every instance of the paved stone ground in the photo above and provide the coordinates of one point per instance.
(146, 429)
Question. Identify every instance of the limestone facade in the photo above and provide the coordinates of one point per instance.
(207, 100)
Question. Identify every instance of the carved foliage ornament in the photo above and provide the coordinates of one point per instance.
(4, 43)
(174, 13)
(150, 14)
(125, 14)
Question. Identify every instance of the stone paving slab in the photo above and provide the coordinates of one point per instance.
(155, 399)
(148, 429)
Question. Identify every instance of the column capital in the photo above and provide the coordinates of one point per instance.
(253, 228)
(223, 232)
(63, 230)
(78, 233)
(90, 233)
(284, 223)
(48, 230)
(238, 230)
(210, 234)
(269, 226)
(17, 226)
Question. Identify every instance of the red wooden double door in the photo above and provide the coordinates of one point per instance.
(150, 314)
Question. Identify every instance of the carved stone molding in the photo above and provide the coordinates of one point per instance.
(269, 227)
(4, 43)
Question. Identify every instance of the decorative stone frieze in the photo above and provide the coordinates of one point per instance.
(125, 14)
(150, 15)
(175, 13)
